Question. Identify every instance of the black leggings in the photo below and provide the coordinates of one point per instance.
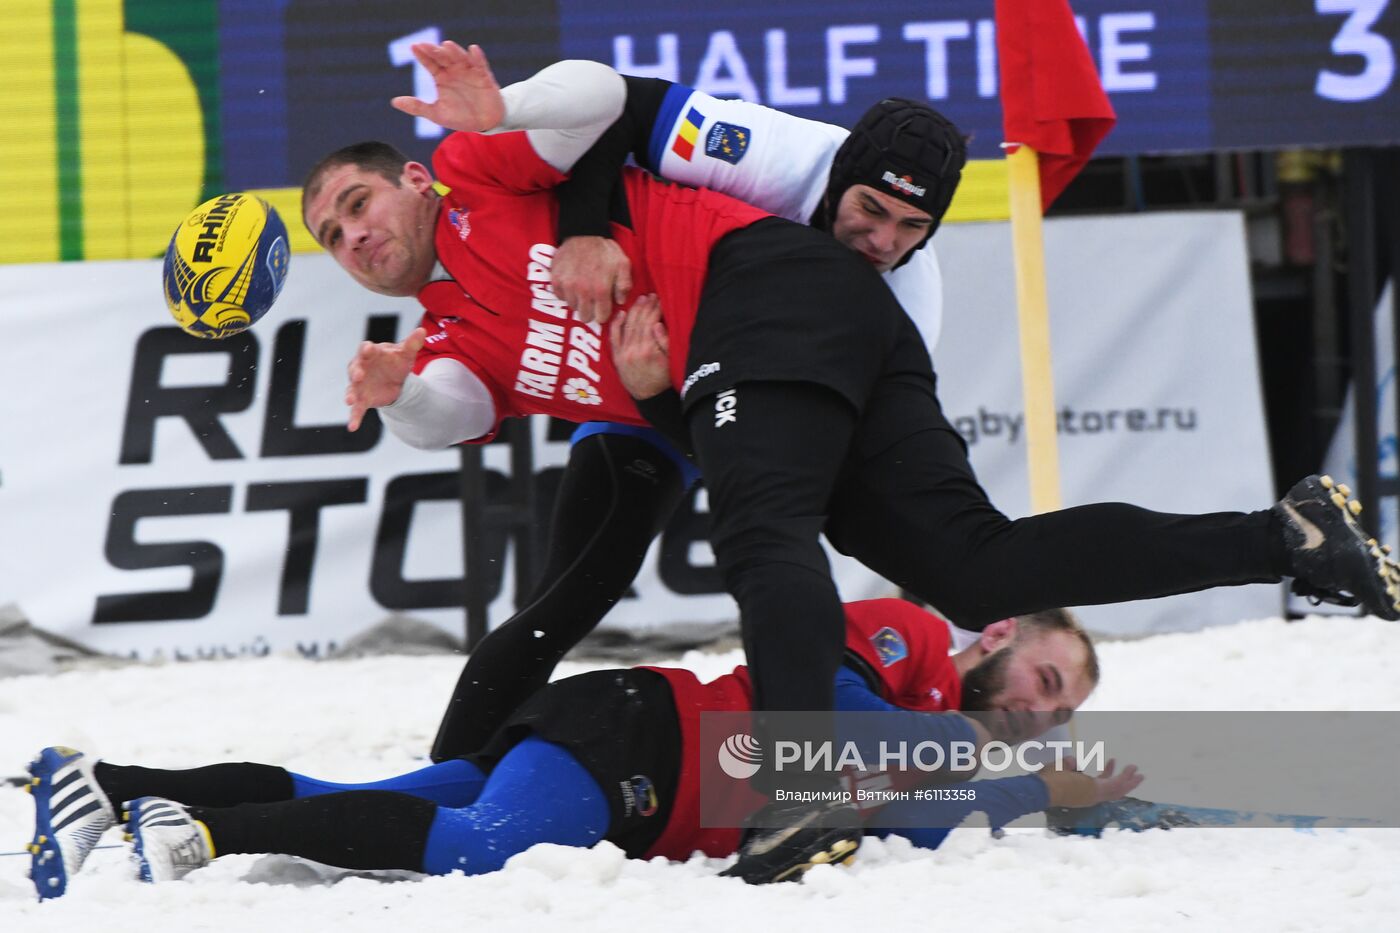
(771, 453)
(916, 515)
(615, 497)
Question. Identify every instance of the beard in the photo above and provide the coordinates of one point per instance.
(985, 682)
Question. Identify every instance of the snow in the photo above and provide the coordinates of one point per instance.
(357, 720)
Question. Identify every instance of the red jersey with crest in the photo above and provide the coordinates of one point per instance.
(496, 313)
(906, 647)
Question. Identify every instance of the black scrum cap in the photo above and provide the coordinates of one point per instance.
(901, 148)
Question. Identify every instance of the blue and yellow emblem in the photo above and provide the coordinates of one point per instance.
(889, 646)
(644, 789)
(279, 257)
(727, 142)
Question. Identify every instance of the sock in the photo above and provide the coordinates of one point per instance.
(221, 785)
(361, 830)
(1280, 561)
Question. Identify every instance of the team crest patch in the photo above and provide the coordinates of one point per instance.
(727, 142)
(639, 796)
(889, 646)
(687, 134)
(458, 219)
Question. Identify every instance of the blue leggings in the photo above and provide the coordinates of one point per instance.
(537, 793)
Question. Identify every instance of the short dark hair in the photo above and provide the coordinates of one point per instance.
(372, 155)
(1060, 620)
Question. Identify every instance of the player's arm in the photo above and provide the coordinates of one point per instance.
(926, 819)
(590, 272)
(770, 159)
(564, 108)
(444, 404)
(588, 200)
(926, 822)
(687, 136)
(949, 731)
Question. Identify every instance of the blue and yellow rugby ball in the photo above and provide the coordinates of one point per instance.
(225, 265)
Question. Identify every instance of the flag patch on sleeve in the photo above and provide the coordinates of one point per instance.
(687, 134)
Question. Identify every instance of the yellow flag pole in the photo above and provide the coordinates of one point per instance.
(1037, 378)
(1033, 313)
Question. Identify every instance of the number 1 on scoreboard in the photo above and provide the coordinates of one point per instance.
(423, 86)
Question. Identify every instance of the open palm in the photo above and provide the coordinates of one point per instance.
(469, 98)
(377, 374)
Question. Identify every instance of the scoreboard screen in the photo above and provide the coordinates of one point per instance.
(125, 113)
(1184, 75)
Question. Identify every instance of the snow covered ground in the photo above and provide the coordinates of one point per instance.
(355, 720)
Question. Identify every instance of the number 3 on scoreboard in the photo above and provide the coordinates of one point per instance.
(1355, 38)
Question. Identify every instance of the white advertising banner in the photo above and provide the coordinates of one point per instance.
(165, 495)
(1156, 380)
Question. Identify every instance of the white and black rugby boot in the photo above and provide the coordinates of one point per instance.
(70, 815)
(169, 843)
(1333, 560)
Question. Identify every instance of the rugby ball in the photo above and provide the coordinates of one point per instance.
(225, 265)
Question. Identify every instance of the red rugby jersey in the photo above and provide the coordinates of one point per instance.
(907, 648)
(496, 235)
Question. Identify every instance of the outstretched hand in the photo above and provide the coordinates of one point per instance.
(641, 348)
(1111, 786)
(469, 98)
(377, 373)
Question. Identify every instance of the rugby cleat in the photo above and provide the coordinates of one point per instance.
(804, 839)
(70, 815)
(1333, 560)
(169, 842)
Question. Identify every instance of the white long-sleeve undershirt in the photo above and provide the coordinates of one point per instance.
(444, 405)
(564, 109)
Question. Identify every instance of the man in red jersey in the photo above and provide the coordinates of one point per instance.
(803, 387)
(609, 755)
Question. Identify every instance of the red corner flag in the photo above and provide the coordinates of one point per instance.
(1051, 98)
